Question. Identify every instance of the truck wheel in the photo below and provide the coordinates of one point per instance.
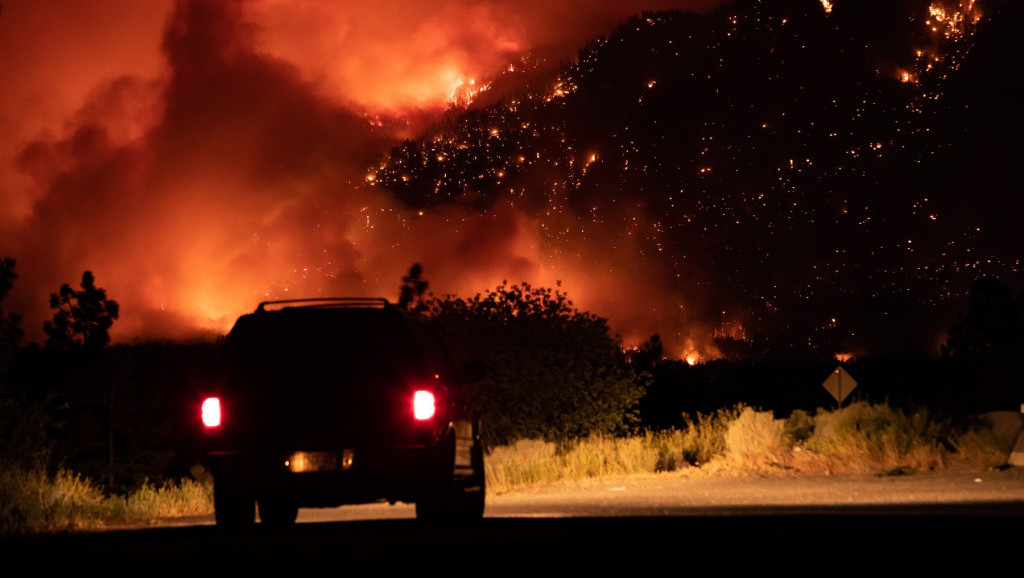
(233, 504)
(455, 500)
(277, 511)
(474, 489)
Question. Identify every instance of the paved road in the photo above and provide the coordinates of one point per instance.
(673, 495)
(918, 525)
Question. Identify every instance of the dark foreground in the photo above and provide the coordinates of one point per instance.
(975, 540)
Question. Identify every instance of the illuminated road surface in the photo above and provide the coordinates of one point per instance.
(670, 495)
(914, 525)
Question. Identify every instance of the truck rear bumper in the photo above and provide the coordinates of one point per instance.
(353, 476)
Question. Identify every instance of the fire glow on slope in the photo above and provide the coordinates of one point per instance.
(209, 159)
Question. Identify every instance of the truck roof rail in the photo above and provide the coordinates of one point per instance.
(324, 303)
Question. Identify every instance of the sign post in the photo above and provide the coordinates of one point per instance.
(839, 383)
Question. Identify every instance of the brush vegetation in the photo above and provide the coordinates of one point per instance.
(858, 439)
(32, 501)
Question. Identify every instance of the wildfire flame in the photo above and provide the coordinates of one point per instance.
(464, 92)
(690, 353)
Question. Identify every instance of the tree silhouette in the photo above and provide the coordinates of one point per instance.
(993, 325)
(648, 354)
(414, 286)
(10, 324)
(23, 421)
(83, 317)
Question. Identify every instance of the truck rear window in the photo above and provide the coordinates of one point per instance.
(301, 352)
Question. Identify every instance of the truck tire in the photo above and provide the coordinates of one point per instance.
(277, 510)
(453, 500)
(233, 503)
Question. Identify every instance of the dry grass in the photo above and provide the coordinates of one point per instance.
(33, 502)
(170, 500)
(863, 438)
(529, 462)
(754, 441)
(987, 443)
(857, 439)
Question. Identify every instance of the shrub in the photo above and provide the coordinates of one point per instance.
(704, 438)
(863, 437)
(553, 372)
(754, 441)
(984, 442)
(799, 428)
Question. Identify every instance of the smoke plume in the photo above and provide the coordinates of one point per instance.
(199, 157)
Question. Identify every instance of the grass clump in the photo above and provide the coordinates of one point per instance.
(522, 463)
(755, 441)
(529, 462)
(984, 442)
(704, 438)
(601, 455)
(173, 499)
(33, 502)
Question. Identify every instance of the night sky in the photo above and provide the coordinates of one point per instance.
(796, 174)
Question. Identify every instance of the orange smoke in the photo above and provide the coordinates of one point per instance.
(203, 156)
(407, 54)
(396, 55)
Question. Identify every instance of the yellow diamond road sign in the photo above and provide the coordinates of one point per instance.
(839, 384)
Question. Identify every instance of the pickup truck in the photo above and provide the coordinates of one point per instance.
(326, 402)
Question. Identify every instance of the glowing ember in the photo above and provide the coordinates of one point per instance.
(952, 19)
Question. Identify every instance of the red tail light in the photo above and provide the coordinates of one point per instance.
(423, 405)
(211, 412)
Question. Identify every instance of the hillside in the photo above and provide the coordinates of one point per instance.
(791, 178)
